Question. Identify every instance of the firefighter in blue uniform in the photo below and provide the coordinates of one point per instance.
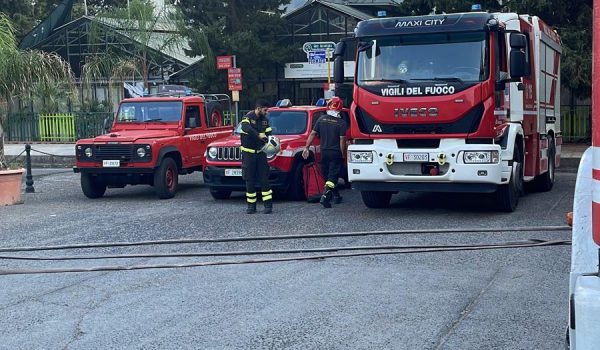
(331, 129)
(255, 169)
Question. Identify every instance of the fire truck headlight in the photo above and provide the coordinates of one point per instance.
(481, 157)
(141, 152)
(212, 152)
(360, 157)
(88, 152)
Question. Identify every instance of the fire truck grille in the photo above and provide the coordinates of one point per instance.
(416, 169)
(115, 152)
(229, 153)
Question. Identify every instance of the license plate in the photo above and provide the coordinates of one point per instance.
(111, 163)
(233, 172)
(416, 157)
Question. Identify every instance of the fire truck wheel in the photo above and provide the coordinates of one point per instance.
(508, 195)
(545, 182)
(166, 178)
(376, 199)
(215, 113)
(220, 194)
(296, 188)
(91, 187)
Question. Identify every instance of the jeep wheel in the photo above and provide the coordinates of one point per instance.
(166, 179)
(376, 199)
(91, 187)
(296, 187)
(220, 194)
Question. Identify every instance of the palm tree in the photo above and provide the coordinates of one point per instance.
(21, 71)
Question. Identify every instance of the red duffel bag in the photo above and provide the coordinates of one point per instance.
(313, 182)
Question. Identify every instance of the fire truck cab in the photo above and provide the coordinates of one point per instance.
(465, 102)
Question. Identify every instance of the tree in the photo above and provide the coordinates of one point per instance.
(247, 29)
(22, 70)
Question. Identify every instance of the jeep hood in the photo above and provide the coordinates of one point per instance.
(134, 135)
(234, 140)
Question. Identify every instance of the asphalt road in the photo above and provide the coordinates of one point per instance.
(500, 299)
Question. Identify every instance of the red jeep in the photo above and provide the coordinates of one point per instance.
(292, 125)
(152, 141)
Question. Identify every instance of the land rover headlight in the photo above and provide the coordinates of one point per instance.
(141, 152)
(360, 157)
(481, 157)
(212, 152)
(88, 152)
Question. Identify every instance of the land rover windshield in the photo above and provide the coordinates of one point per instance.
(141, 112)
(441, 57)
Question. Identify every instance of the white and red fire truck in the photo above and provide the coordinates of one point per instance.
(465, 102)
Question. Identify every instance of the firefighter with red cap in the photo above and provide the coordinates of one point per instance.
(331, 129)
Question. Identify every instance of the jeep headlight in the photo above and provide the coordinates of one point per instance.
(88, 152)
(481, 157)
(212, 152)
(360, 157)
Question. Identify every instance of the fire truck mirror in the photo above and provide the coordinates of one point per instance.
(517, 64)
(518, 41)
(340, 49)
(338, 70)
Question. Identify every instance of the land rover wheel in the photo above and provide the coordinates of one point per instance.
(215, 113)
(508, 195)
(166, 178)
(376, 199)
(296, 187)
(91, 187)
(220, 194)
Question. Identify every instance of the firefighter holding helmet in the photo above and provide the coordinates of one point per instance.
(331, 129)
(255, 169)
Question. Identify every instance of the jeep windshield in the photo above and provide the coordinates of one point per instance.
(439, 57)
(285, 122)
(146, 112)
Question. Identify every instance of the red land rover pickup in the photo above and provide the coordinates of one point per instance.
(152, 141)
(292, 125)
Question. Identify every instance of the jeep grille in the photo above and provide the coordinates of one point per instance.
(229, 153)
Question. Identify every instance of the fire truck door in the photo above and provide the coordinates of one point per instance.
(195, 141)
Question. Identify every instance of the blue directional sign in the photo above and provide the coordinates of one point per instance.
(319, 56)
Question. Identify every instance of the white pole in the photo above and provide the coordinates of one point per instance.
(237, 111)
(85, 10)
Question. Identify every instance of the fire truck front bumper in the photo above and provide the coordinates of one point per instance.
(452, 167)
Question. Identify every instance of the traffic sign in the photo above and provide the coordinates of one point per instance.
(317, 56)
(224, 62)
(318, 46)
(234, 79)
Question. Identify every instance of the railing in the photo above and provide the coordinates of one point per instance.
(576, 123)
(55, 128)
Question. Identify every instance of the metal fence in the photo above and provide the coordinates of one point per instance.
(576, 123)
(54, 128)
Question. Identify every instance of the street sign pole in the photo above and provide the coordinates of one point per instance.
(237, 110)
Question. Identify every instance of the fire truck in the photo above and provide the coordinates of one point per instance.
(292, 125)
(466, 102)
(153, 140)
(584, 284)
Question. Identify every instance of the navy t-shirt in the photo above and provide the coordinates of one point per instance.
(330, 129)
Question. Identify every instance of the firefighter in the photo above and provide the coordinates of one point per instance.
(255, 169)
(331, 129)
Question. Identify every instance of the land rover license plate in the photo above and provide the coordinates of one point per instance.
(416, 157)
(111, 163)
(233, 172)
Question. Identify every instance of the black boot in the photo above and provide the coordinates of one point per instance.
(326, 198)
(337, 198)
(251, 208)
(268, 207)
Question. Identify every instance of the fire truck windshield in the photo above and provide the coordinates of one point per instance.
(139, 112)
(452, 57)
(285, 122)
